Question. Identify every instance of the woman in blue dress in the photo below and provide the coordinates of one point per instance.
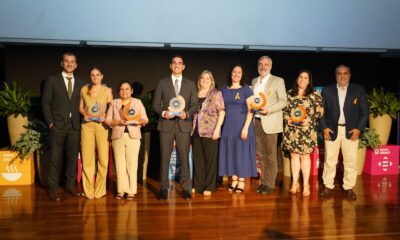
(237, 148)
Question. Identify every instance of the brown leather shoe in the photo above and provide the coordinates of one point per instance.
(73, 191)
(55, 195)
(350, 194)
(327, 192)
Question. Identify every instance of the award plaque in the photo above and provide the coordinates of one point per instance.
(258, 101)
(298, 114)
(95, 112)
(176, 105)
(131, 115)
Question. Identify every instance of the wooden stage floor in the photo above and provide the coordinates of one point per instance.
(26, 213)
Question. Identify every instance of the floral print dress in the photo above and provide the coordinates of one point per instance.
(302, 139)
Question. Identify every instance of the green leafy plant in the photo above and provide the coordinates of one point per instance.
(147, 101)
(14, 100)
(33, 140)
(369, 138)
(381, 102)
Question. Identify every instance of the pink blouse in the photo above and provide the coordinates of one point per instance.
(114, 113)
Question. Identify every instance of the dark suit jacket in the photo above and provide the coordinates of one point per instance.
(355, 109)
(164, 93)
(56, 104)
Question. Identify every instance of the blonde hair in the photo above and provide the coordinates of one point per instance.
(211, 77)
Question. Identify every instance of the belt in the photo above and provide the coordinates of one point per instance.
(341, 125)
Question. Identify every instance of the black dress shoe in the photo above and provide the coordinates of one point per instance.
(258, 190)
(73, 191)
(163, 194)
(55, 195)
(327, 192)
(186, 195)
(350, 194)
(266, 190)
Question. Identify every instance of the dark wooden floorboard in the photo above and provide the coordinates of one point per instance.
(26, 213)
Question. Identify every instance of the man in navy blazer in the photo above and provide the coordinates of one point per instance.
(173, 127)
(60, 106)
(345, 118)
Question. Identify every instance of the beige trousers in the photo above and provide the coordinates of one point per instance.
(126, 151)
(349, 152)
(94, 136)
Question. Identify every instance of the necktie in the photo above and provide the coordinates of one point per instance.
(69, 87)
(176, 87)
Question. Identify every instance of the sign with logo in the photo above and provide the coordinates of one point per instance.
(384, 160)
(175, 164)
(15, 172)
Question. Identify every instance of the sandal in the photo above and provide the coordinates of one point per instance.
(234, 184)
(119, 196)
(240, 189)
(295, 189)
(207, 193)
(306, 190)
(130, 197)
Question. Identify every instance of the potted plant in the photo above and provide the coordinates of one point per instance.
(383, 107)
(369, 138)
(15, 103)
(33, 141)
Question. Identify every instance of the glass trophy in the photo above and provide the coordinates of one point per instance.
(298, 114)
(131, 115)
(176, 105)
(95, 112)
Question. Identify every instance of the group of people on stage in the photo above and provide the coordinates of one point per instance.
(225, 132)
(65, 100)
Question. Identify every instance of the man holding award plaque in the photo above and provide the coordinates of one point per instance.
(175, 100)
(268, 101)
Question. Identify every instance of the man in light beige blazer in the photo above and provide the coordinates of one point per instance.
(268, 122)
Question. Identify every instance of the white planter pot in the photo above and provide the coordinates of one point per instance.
(361, 152)
(382, 125)
(15, 127)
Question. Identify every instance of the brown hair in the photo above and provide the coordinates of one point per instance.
(91, 85)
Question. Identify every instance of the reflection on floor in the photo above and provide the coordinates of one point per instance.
(26, 213)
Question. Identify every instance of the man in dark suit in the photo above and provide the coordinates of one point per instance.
(346, 116)
(172, 127)
(60, 105)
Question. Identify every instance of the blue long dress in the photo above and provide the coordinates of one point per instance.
(236, 157)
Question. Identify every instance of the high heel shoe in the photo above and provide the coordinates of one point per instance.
(306, 190)
(240, 189)
(295, 189)
(233, 185)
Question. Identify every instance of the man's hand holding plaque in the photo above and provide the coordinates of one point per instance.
(257, 102)
(298, 116)
(95, 113)
(131, 115)
(176, 107)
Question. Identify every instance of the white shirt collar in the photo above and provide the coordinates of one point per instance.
(64, 74)
(342, 88)
(265, 79)
(179, 78)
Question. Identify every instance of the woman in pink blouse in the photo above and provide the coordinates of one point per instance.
(207, 124)
(126, 139)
